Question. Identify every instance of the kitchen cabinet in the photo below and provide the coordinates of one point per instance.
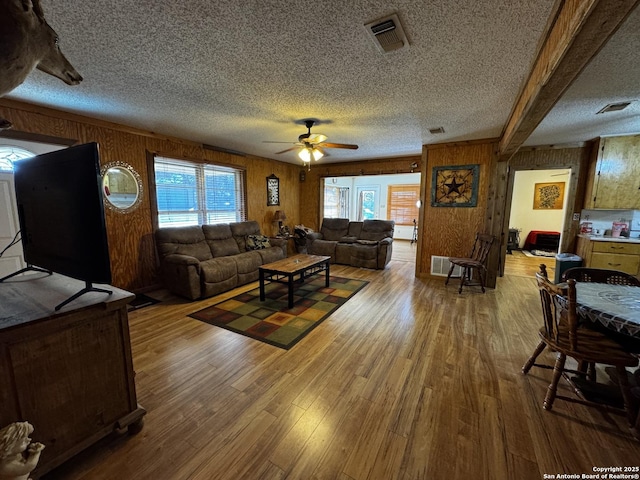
(616, 183)
(623, 255)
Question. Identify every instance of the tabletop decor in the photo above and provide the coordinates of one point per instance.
(455, 186)
(271, 321)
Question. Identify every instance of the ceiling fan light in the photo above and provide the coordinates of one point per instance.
(305, 154)
(317, 154)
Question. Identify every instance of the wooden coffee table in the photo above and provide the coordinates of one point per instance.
(284, 271)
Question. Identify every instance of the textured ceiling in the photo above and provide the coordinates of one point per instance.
(235, 74)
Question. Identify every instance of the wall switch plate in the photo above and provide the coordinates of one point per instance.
(576, 216)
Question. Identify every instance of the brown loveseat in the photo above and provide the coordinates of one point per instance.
(360, 244)
(202, 261)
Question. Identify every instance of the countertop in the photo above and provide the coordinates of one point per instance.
(602, 238)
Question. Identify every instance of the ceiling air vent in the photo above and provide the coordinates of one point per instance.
(436, 131)
(387, 34)
(614, 107)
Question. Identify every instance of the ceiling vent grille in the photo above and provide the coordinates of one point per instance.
(436, 131)
(387, 34)
(615, 107)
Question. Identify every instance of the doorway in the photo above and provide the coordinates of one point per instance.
(12, 151)
(536, 220)
(386, 197)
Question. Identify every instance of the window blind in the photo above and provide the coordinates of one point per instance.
(401, 201)
(189, 193)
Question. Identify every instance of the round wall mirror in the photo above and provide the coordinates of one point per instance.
(121, 187)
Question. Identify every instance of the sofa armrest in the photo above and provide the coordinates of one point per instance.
(279, 242)
(177, 259)
(314, 236)
(181, 275)
(386, 241)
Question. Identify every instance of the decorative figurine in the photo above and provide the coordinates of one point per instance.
(18, 456)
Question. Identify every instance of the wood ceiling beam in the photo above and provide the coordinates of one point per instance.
(581, 28)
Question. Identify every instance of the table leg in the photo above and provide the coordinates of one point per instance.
(290, 285)
(326, 275)
(261, 277)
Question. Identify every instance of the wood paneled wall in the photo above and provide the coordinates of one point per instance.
(131, 244)
(443, 231)
(450, 231)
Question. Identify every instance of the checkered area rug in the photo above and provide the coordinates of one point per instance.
(272, 321)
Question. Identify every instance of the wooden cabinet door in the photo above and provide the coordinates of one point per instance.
(623, 263)
(617, 181)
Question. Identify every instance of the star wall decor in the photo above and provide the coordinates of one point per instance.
(455, 186)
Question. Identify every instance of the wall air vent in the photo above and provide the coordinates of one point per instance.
(440, 267)
(436, 131)
(387, 33)
(614, 107)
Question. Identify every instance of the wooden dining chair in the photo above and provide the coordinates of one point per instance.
(476, 261)
(561, 334)
(600, 275)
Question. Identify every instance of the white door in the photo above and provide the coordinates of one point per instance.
(12, 259)
(368, 201)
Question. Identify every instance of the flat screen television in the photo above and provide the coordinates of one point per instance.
(61, 214)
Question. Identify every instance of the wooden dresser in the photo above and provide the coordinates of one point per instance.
(69, 373)
(622, 254)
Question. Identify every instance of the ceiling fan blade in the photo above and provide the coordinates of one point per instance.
(338, 145)
(269, 141)
(316, 138)
(288, 150)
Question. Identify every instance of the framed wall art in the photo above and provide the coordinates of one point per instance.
(455, 186)
(548, 196)
(273, 191)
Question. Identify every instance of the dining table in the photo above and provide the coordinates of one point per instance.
(616, 307)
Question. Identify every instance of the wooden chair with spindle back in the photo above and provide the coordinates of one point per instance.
(600, 275)
(476, 261)
(562, 334)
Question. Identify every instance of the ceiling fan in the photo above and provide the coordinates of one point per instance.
(311, 144)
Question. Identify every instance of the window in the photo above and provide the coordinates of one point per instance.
(189, 193)
(336, 202)
(402, 203)
(9, 155)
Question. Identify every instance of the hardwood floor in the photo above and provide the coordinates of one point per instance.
(407, 380)
(518, 264)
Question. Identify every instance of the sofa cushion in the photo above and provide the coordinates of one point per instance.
(240, 230)
(219, 270)
(271, 254)
(257, 242)
(355, 228)
(377, 229)
(247, 262)
(333, 229)
(365, 256)
(220, 240)
(182, 241)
